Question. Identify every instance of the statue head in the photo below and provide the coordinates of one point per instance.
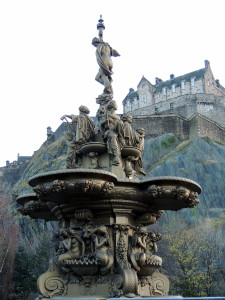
(84, 109)
(111, 104)
(95, 41)
(103, 229)
(141, 131)
(127, 118)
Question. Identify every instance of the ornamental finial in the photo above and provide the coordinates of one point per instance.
(100, 27)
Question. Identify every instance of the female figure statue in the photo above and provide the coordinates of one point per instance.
(104, 60)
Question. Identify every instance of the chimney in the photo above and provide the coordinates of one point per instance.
(157, 80)
(207, 63)
(218, 82)
(131, 90)
(171, 76)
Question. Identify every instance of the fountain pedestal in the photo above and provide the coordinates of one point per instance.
(104, 248)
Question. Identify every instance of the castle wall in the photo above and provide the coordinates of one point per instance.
(197, 126)
(159, 125)
(211, 106)
(201, 126)
(188, 90)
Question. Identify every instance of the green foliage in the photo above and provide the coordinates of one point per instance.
(192, 258)
(179, 148)
(167, 142)
(23, 278)
(31, 261)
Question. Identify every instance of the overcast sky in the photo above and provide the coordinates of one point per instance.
(48, 65)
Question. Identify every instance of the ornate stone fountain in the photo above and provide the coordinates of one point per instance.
(103, 247)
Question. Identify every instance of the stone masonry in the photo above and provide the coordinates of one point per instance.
(193, 93)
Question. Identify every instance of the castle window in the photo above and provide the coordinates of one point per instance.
(171, 106)
(143, 85)
(182, 85)
(128, 103)
(156, 110)
(144, 98)
(135, 101)
(192, 81)
(164, 91)
(174, 88)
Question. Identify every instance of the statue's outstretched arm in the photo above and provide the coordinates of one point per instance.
(66, 116)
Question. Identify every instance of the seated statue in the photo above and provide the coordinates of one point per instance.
(137, 250)
(101, 246)
(134, 138)
(142, 251)
(84, 133)
(72, 246)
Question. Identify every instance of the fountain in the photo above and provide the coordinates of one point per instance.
(103, 246)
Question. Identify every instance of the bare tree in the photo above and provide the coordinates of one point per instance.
(8, 246)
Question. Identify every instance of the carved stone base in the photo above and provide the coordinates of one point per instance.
(53, 285)
(103, 248)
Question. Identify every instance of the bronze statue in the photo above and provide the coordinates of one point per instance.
(73, 247)
(103, 55)
(101, 245)
(134, 138)
(84, 133)
(112, 129)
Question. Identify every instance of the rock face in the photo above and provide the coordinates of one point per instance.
(200, 159)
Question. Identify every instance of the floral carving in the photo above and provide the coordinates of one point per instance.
(32, 206)
(154, 191)
(41, 190)
(192, 200)
(107, 187)
(58, 186)
(180, 193)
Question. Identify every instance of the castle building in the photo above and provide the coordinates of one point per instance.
(193, 93)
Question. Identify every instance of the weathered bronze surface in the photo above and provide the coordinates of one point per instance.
(103, 247)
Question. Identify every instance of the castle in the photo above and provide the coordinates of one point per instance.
(189, 105)
(195, 92)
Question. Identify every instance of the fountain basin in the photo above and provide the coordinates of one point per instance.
(69, 190)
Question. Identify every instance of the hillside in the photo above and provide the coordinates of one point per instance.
(201, 160)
